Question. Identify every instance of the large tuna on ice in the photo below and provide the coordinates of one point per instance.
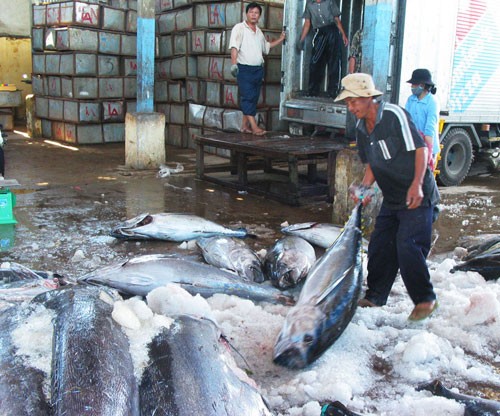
(142, 274)
(474, 406)
(92, 369)
(327, 301)
(21, 392)
(172, 227)
(13, 272)
(232, 254)
(482, 258)
(190, 374)
(319, 234)
(288, 261)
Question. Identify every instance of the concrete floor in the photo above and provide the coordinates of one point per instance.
(69, 199)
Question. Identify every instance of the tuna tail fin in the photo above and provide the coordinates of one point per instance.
(435, 387)
(336, 409)
(357, 212)
(244, 233)
(285, 298)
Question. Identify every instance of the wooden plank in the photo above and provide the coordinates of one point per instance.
(200, 162)
(273, 146)
(242, 169)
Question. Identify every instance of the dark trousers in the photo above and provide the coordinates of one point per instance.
(400, 241)
(326, 51)
(249, 85)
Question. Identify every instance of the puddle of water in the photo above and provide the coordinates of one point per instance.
(7, 236)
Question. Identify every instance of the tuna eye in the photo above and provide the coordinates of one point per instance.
(308, 339)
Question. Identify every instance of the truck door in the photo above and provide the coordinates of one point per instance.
(295, 106)
(378, 21)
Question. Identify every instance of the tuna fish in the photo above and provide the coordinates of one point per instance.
(172, 227)
(20, 385)
(474, 406)
(92, 369)
(23, 290)
(288, 261)
(12, 272)
(320, 234)
(232, 254)
(483, 258)
(327, 301)
(188, 375)
(142, 274)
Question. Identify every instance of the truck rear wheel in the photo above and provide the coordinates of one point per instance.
(456, 157)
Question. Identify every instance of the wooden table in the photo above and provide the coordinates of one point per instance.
(269, 165)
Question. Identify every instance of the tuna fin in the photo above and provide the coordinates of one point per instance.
(336, 409)
(247, 234)
(300, 226)
(333, 285)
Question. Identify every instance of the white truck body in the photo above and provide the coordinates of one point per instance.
(457, 40)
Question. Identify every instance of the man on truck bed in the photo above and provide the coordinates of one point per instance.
(323, 16)
(395, 156)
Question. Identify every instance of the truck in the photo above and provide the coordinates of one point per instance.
(455, 39)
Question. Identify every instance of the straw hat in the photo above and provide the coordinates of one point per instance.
(357, 85)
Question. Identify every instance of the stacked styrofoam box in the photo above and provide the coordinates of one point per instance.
(84, 69)
(193, 52)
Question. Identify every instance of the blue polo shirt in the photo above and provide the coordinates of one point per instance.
(425, 115)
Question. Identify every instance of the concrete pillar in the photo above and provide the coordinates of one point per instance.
(33, 124)
(144, 140)
(349, 169)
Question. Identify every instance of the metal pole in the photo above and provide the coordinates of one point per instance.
(145, 55)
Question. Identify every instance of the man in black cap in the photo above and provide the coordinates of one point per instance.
(324, 17)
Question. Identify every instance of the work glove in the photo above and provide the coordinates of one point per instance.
(234, 70)
(300, 45)
(361, 193)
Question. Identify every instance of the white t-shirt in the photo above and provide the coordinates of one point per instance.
(251, 45)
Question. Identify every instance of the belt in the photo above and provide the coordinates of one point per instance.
(252, 66)
(330, 26)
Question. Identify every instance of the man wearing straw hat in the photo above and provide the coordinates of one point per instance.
(395, 156)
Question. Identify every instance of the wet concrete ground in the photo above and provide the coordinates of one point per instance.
(70, 199)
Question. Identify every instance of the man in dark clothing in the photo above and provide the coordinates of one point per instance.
(323, 17)
(396, 157)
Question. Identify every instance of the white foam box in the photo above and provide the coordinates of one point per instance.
(79, 111)
(73, 13)
(10, 98)
(7, 119)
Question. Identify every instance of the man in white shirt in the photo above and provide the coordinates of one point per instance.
(248, 45)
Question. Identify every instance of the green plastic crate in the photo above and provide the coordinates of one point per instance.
(7, 203)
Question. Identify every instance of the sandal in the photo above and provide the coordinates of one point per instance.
(365, 303)
(422, 311)
(259, 132)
